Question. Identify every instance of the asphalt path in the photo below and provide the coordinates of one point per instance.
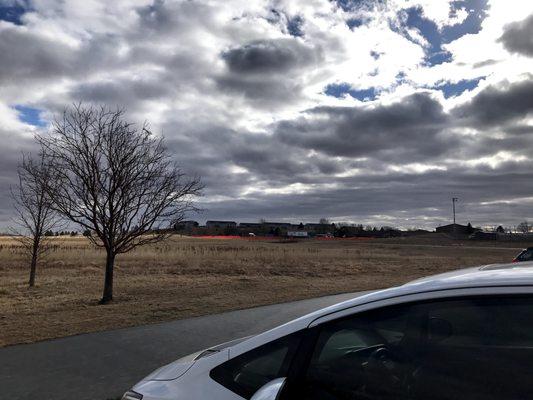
(102, 365)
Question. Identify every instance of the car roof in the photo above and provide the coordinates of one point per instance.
(492, 275)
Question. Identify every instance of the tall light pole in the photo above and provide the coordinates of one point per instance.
(454, 200)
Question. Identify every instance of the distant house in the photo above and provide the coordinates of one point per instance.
(220, 224)
(185, 225)
(415, 232)
(456, 229)
(281, 225)
(312, 226)
(250, 225)
(485, 235)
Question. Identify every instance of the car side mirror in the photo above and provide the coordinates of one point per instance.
(270, 391)
(439, 329)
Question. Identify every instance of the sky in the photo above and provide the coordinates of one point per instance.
(373, 112)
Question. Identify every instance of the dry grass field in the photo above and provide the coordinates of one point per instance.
(189, 277)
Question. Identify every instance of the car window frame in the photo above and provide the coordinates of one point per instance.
(452, 293)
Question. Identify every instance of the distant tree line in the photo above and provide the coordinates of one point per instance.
(51, 233)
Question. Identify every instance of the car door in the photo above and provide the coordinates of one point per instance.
(469, 347)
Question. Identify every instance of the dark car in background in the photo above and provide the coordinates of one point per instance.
(525, 255)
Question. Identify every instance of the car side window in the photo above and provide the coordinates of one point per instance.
(341, 362)
(527, 255)
(246, 373)
(470, 348)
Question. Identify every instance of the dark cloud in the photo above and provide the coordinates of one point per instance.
(29, 57)
(125, 92)
(267, 72)
(212, 151)
(520, 130)
(41, 57)
(409, 129)
(518, 37)
(271, 56)
(10, 155)
(497, 105)
(262, 92)
(485, 63)
(406, 199)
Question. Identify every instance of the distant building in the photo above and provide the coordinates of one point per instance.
(456, 229)
(220, 224)
(301, 234)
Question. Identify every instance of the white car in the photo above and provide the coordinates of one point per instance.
(466, 334)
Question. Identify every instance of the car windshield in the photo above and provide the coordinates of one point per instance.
(525, 255)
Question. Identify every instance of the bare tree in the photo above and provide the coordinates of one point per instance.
(116, 181)
(34, 214)
(523, 227)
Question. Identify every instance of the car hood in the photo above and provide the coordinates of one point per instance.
(179, 367)
(173, 370)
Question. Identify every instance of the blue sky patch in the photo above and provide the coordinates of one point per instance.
(436, 38)
(456, 89)
(435, 54)
(401, 77)
(341, 89)
(439, 57)
(13, 13)
(30, 115)
(477, 12)
(294, 26)
(354, 22)
(352, 5)
(375, 55)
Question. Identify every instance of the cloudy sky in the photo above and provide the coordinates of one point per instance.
(367, 111)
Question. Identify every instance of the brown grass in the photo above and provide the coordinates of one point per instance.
(187, 277)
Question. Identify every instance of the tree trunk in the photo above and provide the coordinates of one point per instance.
(108, 283)
(33, 265)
